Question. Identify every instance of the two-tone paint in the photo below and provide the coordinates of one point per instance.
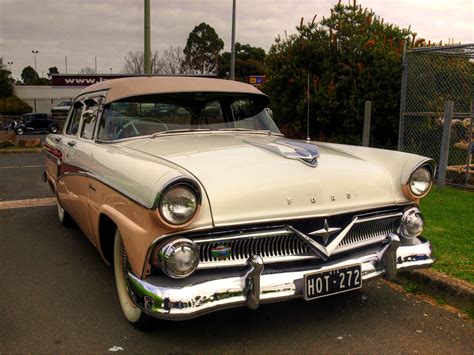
(244, 178)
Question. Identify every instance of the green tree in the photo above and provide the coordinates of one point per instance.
(202, 49)
(249, 60)
(52, 70)
(6, 87)
(28, 75)
(351, 56)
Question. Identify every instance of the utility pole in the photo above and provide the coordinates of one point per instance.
(35, 53)
(65, 62)
(232, 50)
(147, 51)
(95, 59)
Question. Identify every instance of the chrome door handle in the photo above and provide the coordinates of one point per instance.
(71, 143)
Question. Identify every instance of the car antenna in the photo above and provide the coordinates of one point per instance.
(307, 118)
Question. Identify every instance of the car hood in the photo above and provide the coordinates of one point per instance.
(246, 180)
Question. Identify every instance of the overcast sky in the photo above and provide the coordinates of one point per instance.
(108, 29)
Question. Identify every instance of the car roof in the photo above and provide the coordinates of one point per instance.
(147, 85)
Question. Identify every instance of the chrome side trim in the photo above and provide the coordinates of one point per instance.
(105, 182)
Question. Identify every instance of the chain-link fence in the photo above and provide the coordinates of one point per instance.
(431, 77)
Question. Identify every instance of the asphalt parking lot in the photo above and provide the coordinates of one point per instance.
(58, 296)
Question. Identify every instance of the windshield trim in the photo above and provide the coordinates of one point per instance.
(151, 136)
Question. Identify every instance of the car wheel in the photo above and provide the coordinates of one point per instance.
(19, 131)
(54, 129)
(130, 310)
(64, 218)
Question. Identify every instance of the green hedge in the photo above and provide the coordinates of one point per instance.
(12, 105)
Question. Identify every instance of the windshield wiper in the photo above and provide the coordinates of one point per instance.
(181, 130)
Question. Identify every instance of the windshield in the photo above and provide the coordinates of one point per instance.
(168, 113)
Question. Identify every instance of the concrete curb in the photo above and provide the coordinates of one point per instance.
(23, 150)
(458, 293)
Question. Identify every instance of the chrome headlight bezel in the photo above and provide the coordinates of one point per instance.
(408, 217)
(162, 205)
(165, 256)
(411, 190)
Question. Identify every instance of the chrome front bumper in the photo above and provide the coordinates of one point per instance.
(157, 298)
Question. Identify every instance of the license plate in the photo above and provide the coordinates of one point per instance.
(326, 283)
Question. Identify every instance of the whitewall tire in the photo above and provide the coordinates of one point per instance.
(131, 312)
(63, 217)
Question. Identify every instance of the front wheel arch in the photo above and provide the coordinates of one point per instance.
(107, 229)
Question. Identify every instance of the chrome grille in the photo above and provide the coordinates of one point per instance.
(282, 244)
(371, 231)
(270, 245)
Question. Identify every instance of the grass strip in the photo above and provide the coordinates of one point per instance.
(449, 214)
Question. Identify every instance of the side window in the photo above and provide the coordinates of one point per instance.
(89, 118)
(73, 125)
(88, 125)
(242, 110)
(211, 116)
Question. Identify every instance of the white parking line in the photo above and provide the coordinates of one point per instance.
(34, 202)
(22, 166)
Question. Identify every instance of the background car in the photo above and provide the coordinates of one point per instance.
(62, 109)
(35, 123)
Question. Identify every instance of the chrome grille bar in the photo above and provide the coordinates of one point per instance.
(282, 245)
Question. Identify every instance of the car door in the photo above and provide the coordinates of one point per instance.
(30, 124)
(36, 123)
(43, 123)
(72, 183)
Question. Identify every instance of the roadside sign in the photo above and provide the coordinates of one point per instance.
(257, 80)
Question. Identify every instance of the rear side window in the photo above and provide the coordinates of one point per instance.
(89, 118)
(73, 125)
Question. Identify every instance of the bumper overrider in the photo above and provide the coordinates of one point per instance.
(255, 284)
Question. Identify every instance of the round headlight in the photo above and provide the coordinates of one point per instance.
(178, 258)
(420, 181)
(178, 204)
(412, 223)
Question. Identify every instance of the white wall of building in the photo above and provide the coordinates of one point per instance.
(44, 98)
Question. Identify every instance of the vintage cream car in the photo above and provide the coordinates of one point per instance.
(187, 187)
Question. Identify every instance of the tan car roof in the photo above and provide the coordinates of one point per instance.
(145, 85)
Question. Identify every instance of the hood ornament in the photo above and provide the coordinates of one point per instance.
(325, 232)
(307, 153)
